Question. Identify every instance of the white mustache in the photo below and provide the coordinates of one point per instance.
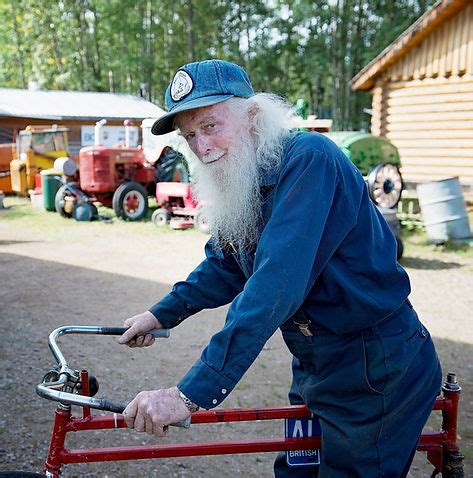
(212, 157)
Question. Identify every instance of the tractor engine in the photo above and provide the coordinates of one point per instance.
(103, 169)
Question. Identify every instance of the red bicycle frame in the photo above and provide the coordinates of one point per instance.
(441, 446)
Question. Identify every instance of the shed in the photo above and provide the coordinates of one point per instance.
(422, 95)
(74, 109)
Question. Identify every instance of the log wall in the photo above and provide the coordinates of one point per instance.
(424, 104)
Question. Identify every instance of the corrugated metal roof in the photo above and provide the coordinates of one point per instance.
(62, 105)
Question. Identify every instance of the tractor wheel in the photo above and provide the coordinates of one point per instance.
(130, 201)
(385, 185)
(64, 201)
(201, 224)
(161, 217)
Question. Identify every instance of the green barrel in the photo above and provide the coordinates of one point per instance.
(366, 150)
(50, 183)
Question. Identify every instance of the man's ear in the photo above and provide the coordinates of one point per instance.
(251, 115)
(252, 112)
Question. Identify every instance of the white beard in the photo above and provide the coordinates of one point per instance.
(229, 195)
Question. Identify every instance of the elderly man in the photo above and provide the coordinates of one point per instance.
(297, 245)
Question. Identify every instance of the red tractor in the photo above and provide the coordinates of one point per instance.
(178, 207)
(117, 176)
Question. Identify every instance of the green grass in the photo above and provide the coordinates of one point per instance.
(19, 211)
(416, 242)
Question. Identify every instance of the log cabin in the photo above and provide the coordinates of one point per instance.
(422, 95)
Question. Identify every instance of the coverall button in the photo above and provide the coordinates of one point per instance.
(224, 391)
(215, 401)
(422, 333)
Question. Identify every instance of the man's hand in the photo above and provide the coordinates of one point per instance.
(153, 411)
(140, 324)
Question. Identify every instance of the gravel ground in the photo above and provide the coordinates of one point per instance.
(57, 272)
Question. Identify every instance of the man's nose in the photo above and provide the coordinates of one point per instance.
(203, 146)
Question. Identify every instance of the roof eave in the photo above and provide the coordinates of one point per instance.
(74, 118)
(45, 117)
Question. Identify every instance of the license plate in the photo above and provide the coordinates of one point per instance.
(302, 428)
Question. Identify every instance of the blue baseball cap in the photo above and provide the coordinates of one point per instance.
(199, 84)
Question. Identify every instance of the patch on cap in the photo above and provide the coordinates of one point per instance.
(181, 85)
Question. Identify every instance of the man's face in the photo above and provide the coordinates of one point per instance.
(211, 131)
(226, 177)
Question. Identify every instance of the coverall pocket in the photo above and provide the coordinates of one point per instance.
(400, 353)
(376, 374)
(340, 366)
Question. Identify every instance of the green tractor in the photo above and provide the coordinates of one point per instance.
(378, 160)
(376, 157)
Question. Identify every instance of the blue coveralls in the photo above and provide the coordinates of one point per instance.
(370, 371)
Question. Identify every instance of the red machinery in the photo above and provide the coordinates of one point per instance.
(118, 176)
(177, 207)
(74, 387)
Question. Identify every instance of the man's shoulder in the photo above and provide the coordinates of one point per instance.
(310, 146)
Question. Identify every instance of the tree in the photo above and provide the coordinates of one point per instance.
(295, 48)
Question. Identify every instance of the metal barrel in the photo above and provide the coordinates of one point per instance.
(65, 165)
(444, 210)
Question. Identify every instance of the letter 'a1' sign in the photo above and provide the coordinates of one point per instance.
(302, 428)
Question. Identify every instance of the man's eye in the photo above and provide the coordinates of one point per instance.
(189, 136)
(210, 125)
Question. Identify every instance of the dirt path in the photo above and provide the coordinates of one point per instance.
(102, 273)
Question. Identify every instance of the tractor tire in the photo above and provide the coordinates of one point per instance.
(161, 217)
(172, 168)
(385, 185)
(130, 201)
(201, 224)
(180, 173)
(60, 201)
(400, 247)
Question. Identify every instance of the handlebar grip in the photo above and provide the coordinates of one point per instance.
(110, 406)
(158, 333)
(117, 407)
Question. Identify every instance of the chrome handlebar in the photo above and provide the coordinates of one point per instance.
(60, 390)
